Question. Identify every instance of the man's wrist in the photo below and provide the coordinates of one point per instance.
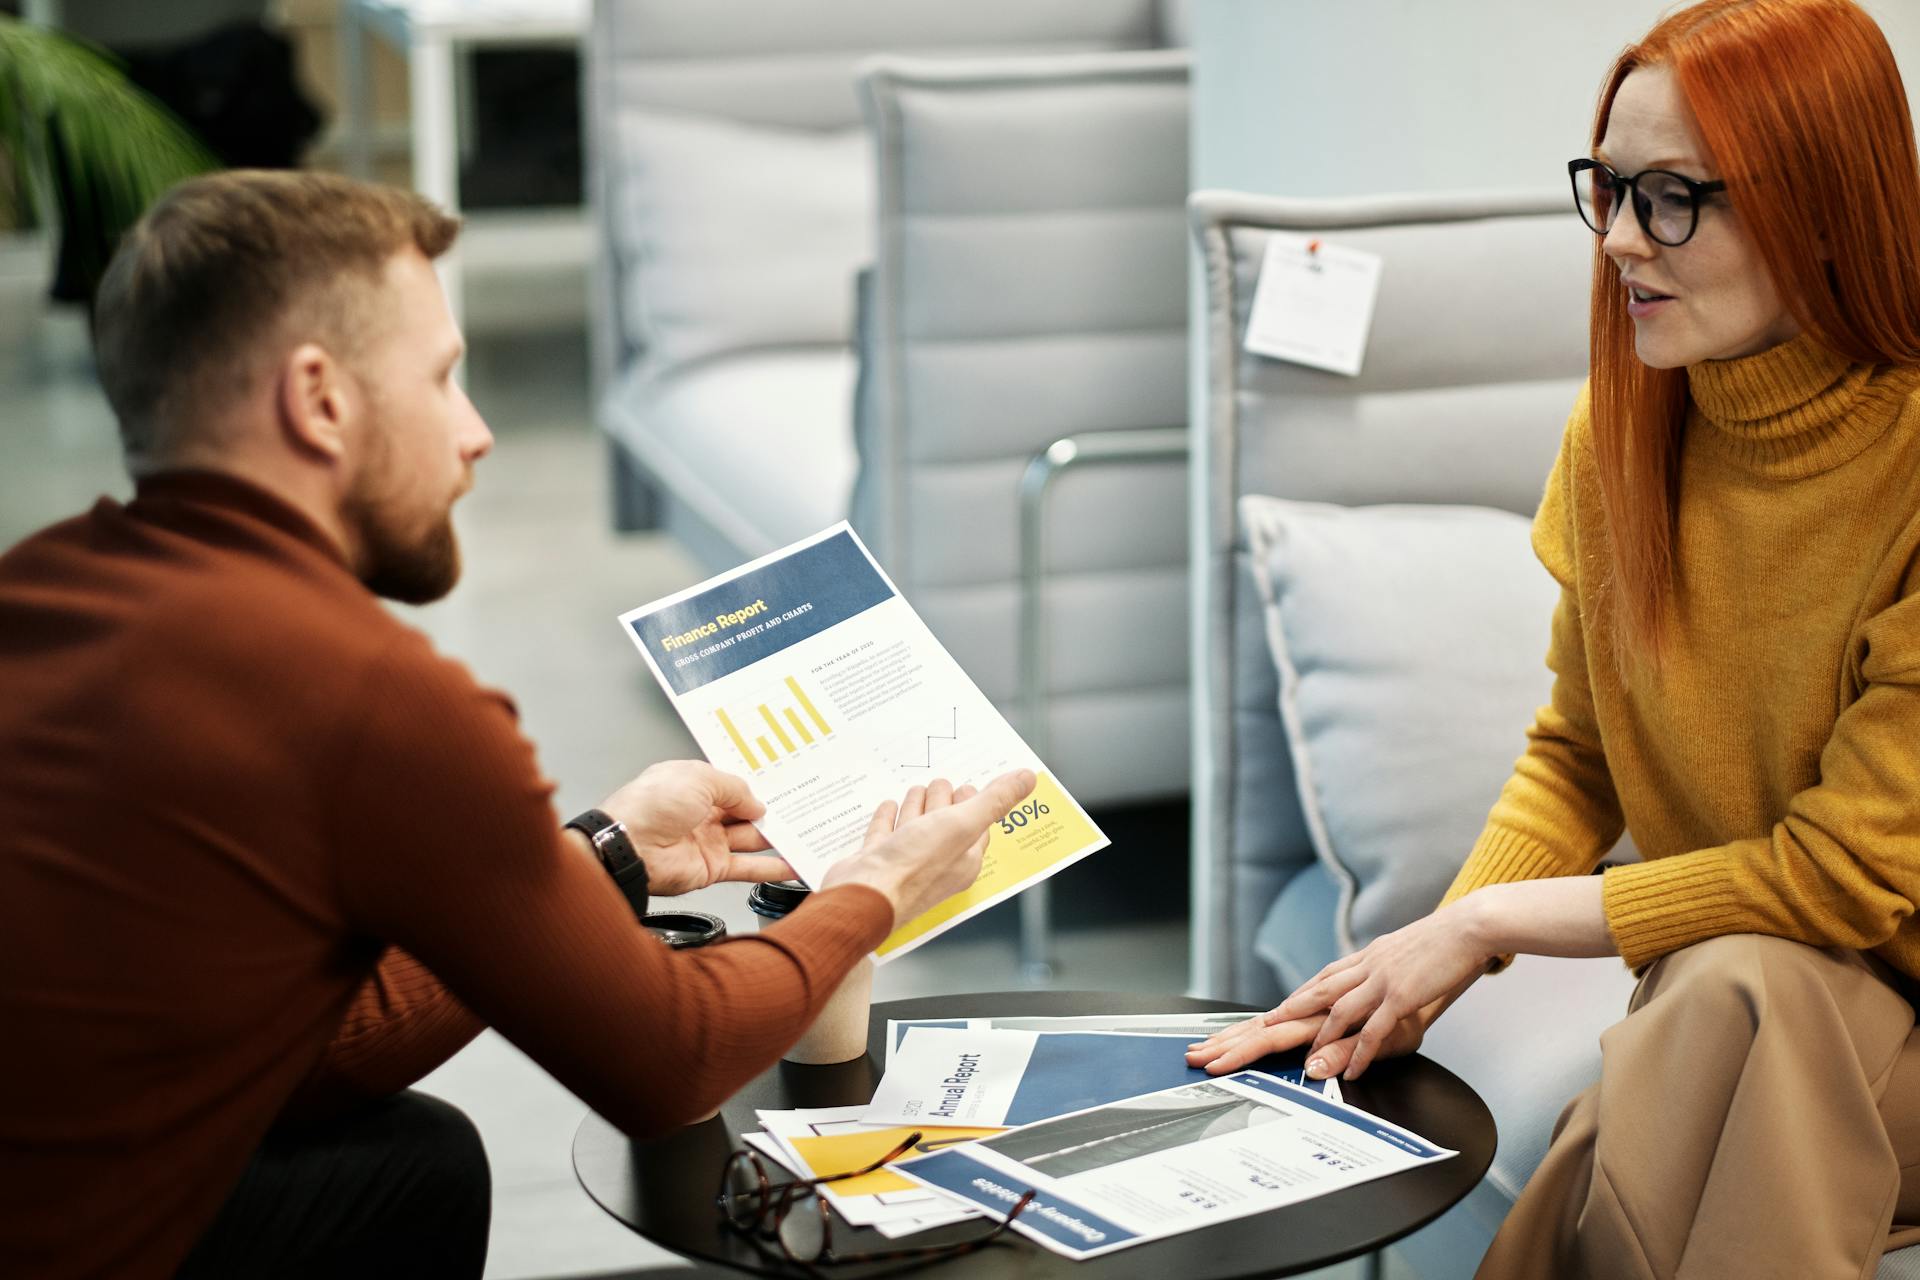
(887, 886)
(617, 855)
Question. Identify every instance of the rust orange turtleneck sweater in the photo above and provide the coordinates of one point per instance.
(237, 799)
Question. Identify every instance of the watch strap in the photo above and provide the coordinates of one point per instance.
(610, 842)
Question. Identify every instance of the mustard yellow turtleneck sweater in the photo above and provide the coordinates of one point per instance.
(1770, 773)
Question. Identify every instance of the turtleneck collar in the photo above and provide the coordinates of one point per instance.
(1797, 409)
(172, 494)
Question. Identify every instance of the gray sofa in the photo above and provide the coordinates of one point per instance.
(1008, 182)
(1372, 628)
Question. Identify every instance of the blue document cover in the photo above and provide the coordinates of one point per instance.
(1073, 1070)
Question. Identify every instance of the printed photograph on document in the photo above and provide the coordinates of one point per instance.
(1129, 1129)
(808, 674)
(1173, 1161)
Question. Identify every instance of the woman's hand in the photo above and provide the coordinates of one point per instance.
(1378, 1001)
(1245, 1043)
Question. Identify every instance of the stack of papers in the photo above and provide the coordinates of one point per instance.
(971, 1089)
(822, 1141)
(1172, 1161)
(944, 1075)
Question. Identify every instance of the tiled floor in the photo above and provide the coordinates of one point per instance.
(534, 615)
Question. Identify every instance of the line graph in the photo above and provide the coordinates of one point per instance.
(931, 739)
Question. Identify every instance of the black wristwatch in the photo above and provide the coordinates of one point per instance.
(609, 840)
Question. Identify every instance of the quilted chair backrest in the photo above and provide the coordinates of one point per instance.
(781, 63)
(1030, 284)
(1477, 350)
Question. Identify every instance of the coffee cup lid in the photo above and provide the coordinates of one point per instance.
(682, 929)
(776, 898)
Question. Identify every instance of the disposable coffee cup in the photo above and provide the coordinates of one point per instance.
(839, 1034)
(684, 930)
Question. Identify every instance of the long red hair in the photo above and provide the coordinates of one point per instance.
(1804, 110)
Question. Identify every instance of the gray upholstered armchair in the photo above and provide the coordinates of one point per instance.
(1376, 628)
(1018, 200)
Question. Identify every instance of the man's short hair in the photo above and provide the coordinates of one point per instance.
(200, 295)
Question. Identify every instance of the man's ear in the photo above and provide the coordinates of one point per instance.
(317, 402)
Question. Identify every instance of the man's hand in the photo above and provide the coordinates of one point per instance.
(928, 847)
(690, 823)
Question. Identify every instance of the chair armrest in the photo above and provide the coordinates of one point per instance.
(1094, 449)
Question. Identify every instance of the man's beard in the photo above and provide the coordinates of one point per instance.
(417, 570)
(409, 565)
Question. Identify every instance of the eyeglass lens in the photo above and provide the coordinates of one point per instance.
(744, 1192)
(748, 1198)
(803, 1230)
(1662, 202)
(806, 1236)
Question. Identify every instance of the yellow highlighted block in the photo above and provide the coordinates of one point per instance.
(798, 728)
(843, 1152)
(765, 746)
(1015, 852)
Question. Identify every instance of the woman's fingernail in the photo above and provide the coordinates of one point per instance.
(1317, 1068)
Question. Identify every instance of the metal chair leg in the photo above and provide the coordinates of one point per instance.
(1095, 448)
(1036, 936)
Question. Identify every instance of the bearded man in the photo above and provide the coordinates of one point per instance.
(266, 859)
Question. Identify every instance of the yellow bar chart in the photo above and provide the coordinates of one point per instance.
(767, 753)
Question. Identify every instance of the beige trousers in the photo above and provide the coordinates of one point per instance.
(1758, 1115)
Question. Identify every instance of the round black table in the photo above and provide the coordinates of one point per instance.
(665, 1189)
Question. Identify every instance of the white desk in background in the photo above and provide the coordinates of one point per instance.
(429, 33)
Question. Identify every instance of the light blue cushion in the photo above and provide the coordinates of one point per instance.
(1411, 648)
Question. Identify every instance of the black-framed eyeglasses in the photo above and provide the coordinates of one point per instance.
(792, 1213)
(1667, 204)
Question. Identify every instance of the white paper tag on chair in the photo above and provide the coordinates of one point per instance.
(1314, 303)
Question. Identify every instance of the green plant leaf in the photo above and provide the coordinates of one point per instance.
(123, 148)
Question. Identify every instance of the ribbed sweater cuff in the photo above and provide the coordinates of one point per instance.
(834, 931)
(1669, 903)
(1503, 856)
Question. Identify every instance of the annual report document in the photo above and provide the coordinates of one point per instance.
(1172, 1161)
(1190, 1026)
(942, 1076)
(808, 673)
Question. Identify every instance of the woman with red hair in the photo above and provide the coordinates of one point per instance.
(1734, 520)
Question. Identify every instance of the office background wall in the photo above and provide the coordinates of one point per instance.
(1362, 97)
(1300, 97)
